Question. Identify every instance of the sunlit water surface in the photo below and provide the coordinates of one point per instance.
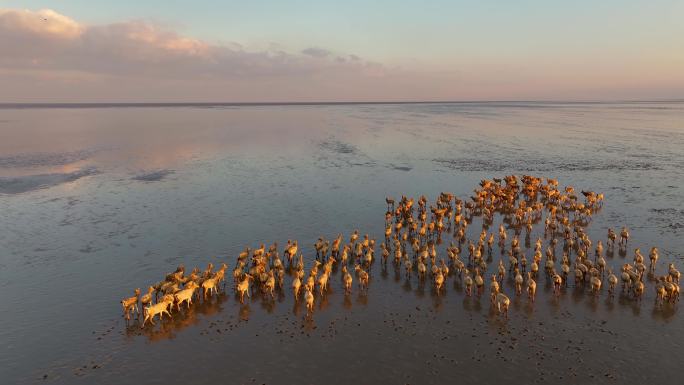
(98, 201)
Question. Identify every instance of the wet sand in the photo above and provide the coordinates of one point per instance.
(193, 185)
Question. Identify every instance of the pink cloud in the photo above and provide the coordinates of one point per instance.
(44, 23)
(46, 56)
(47, 41)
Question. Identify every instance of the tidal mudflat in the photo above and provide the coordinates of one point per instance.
(99, 201)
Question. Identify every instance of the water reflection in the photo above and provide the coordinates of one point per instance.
(362, 298)
(347, 303)
(297, 307)
(167, 328)
(247, 174)
(244, 312)
(665, 312)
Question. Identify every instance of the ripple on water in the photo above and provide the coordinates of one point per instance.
(543, 164)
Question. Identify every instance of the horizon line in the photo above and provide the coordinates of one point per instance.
(12, 105)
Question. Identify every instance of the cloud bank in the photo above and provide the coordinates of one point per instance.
(49, 57)
(58, 56)
(46, 40)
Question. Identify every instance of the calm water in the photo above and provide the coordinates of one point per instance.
(98, 201)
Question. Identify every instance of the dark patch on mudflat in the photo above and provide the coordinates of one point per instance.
(400, 168)
(339, 147)
(667, 219)
(45, 159)
(338, 154)
(21, 184)
(668, 211)
(154, 176)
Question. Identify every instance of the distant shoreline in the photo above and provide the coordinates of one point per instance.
(511, 103)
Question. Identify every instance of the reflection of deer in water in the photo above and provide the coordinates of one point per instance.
(595, 283)
(182, 320)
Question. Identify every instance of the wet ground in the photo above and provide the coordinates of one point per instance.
(98, 201)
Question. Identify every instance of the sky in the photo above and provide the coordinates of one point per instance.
(279, 51)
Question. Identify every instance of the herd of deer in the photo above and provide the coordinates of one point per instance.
(266, 268)
(412, 237)
(172, 293)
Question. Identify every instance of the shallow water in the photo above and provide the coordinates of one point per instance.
(98, 201)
